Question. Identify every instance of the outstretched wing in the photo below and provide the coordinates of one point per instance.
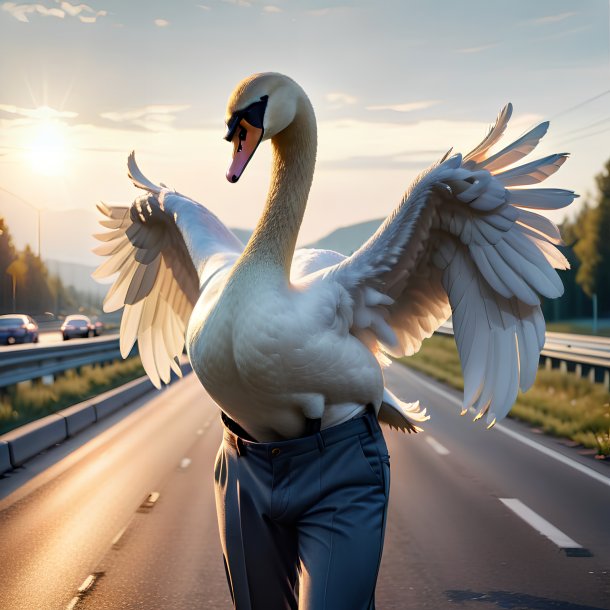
(464, 242)
(165, 248)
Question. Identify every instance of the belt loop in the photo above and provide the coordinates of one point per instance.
(370, 412)
(320, 441)
(241, 448)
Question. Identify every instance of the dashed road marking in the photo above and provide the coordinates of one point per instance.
(593, 474)
(541, 525)
(440, 449)
(73, 603)
(87, 584)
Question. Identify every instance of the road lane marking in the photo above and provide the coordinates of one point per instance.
(87, 583)
(73, 603)
(84, 589)
(540, 524)
(555, 455)
(600, 478)
(440, 449)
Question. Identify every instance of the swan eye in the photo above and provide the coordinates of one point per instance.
(243, 132)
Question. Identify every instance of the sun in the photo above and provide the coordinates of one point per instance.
(47, 150)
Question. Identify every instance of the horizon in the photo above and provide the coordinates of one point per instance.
(100, 79)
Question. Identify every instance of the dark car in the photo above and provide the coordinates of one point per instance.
(18, 328)
(77, 326)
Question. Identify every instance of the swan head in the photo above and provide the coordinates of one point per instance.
(260, 107)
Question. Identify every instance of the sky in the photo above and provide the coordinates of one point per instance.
(394, 85)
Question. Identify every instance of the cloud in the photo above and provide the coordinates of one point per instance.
(408, 107)
(204, 7)
(393, 145)
(244, 3)
(40, 113)
(161, 23)
(270, 8)
(329, 10)
(338, 99)
(483, 47)
(551, 18)
(21, 11)
(82, 12)
(412, 160)
(155, 117)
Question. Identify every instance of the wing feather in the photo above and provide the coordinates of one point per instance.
(163, 248)
(464, 241)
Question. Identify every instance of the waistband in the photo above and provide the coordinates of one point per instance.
(363, 424)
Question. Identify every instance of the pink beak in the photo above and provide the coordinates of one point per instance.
(245, 142)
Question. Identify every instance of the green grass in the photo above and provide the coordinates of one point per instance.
(559, 404)
(584, 328)
(30, 401)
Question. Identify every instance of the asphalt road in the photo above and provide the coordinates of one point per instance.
(478, 519)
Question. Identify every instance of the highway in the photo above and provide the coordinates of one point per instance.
(478, 519)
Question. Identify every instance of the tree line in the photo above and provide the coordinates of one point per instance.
(26, 286)
(587, 248)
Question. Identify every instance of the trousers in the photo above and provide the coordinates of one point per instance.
(302, 521)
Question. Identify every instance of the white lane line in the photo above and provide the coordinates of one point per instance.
(600, 478)
(555, 455)
(540, 524)
(73, 603)
(87, 584)
(440, 449)
(153, 497)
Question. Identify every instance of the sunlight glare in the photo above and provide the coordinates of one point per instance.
(47, 150)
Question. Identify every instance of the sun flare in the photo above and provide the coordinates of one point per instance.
(48, 148)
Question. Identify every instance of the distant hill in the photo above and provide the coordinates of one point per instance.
(77, 275)
(347, 239)
(344, 240)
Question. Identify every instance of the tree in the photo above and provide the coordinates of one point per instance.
(7, 256)
(592, 248)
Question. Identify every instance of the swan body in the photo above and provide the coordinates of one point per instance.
(278, 336)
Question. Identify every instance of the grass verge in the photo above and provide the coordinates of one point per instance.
(33, 400)
(559, 404)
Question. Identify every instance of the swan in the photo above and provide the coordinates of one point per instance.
(279, 336)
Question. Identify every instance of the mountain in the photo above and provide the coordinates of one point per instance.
(80, 224)
(77, 275)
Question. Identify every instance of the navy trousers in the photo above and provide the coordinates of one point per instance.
(302, 521)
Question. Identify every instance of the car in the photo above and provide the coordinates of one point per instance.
(18, 328)
(99, 327)
(77, 326)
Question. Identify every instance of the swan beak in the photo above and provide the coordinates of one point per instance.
(246, 139)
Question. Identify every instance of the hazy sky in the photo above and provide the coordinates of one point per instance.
(394, 85)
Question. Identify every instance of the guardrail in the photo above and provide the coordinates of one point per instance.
(35, 361)
(584, 355)
(25, 442)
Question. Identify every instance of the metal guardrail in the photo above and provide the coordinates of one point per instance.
(35, 361)
(585, 355)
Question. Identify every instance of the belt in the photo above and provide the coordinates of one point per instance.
(363, 424)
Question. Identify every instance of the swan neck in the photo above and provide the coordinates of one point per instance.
(294, 155)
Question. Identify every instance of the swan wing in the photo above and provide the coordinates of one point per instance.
(465, 242)
(163, 250)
